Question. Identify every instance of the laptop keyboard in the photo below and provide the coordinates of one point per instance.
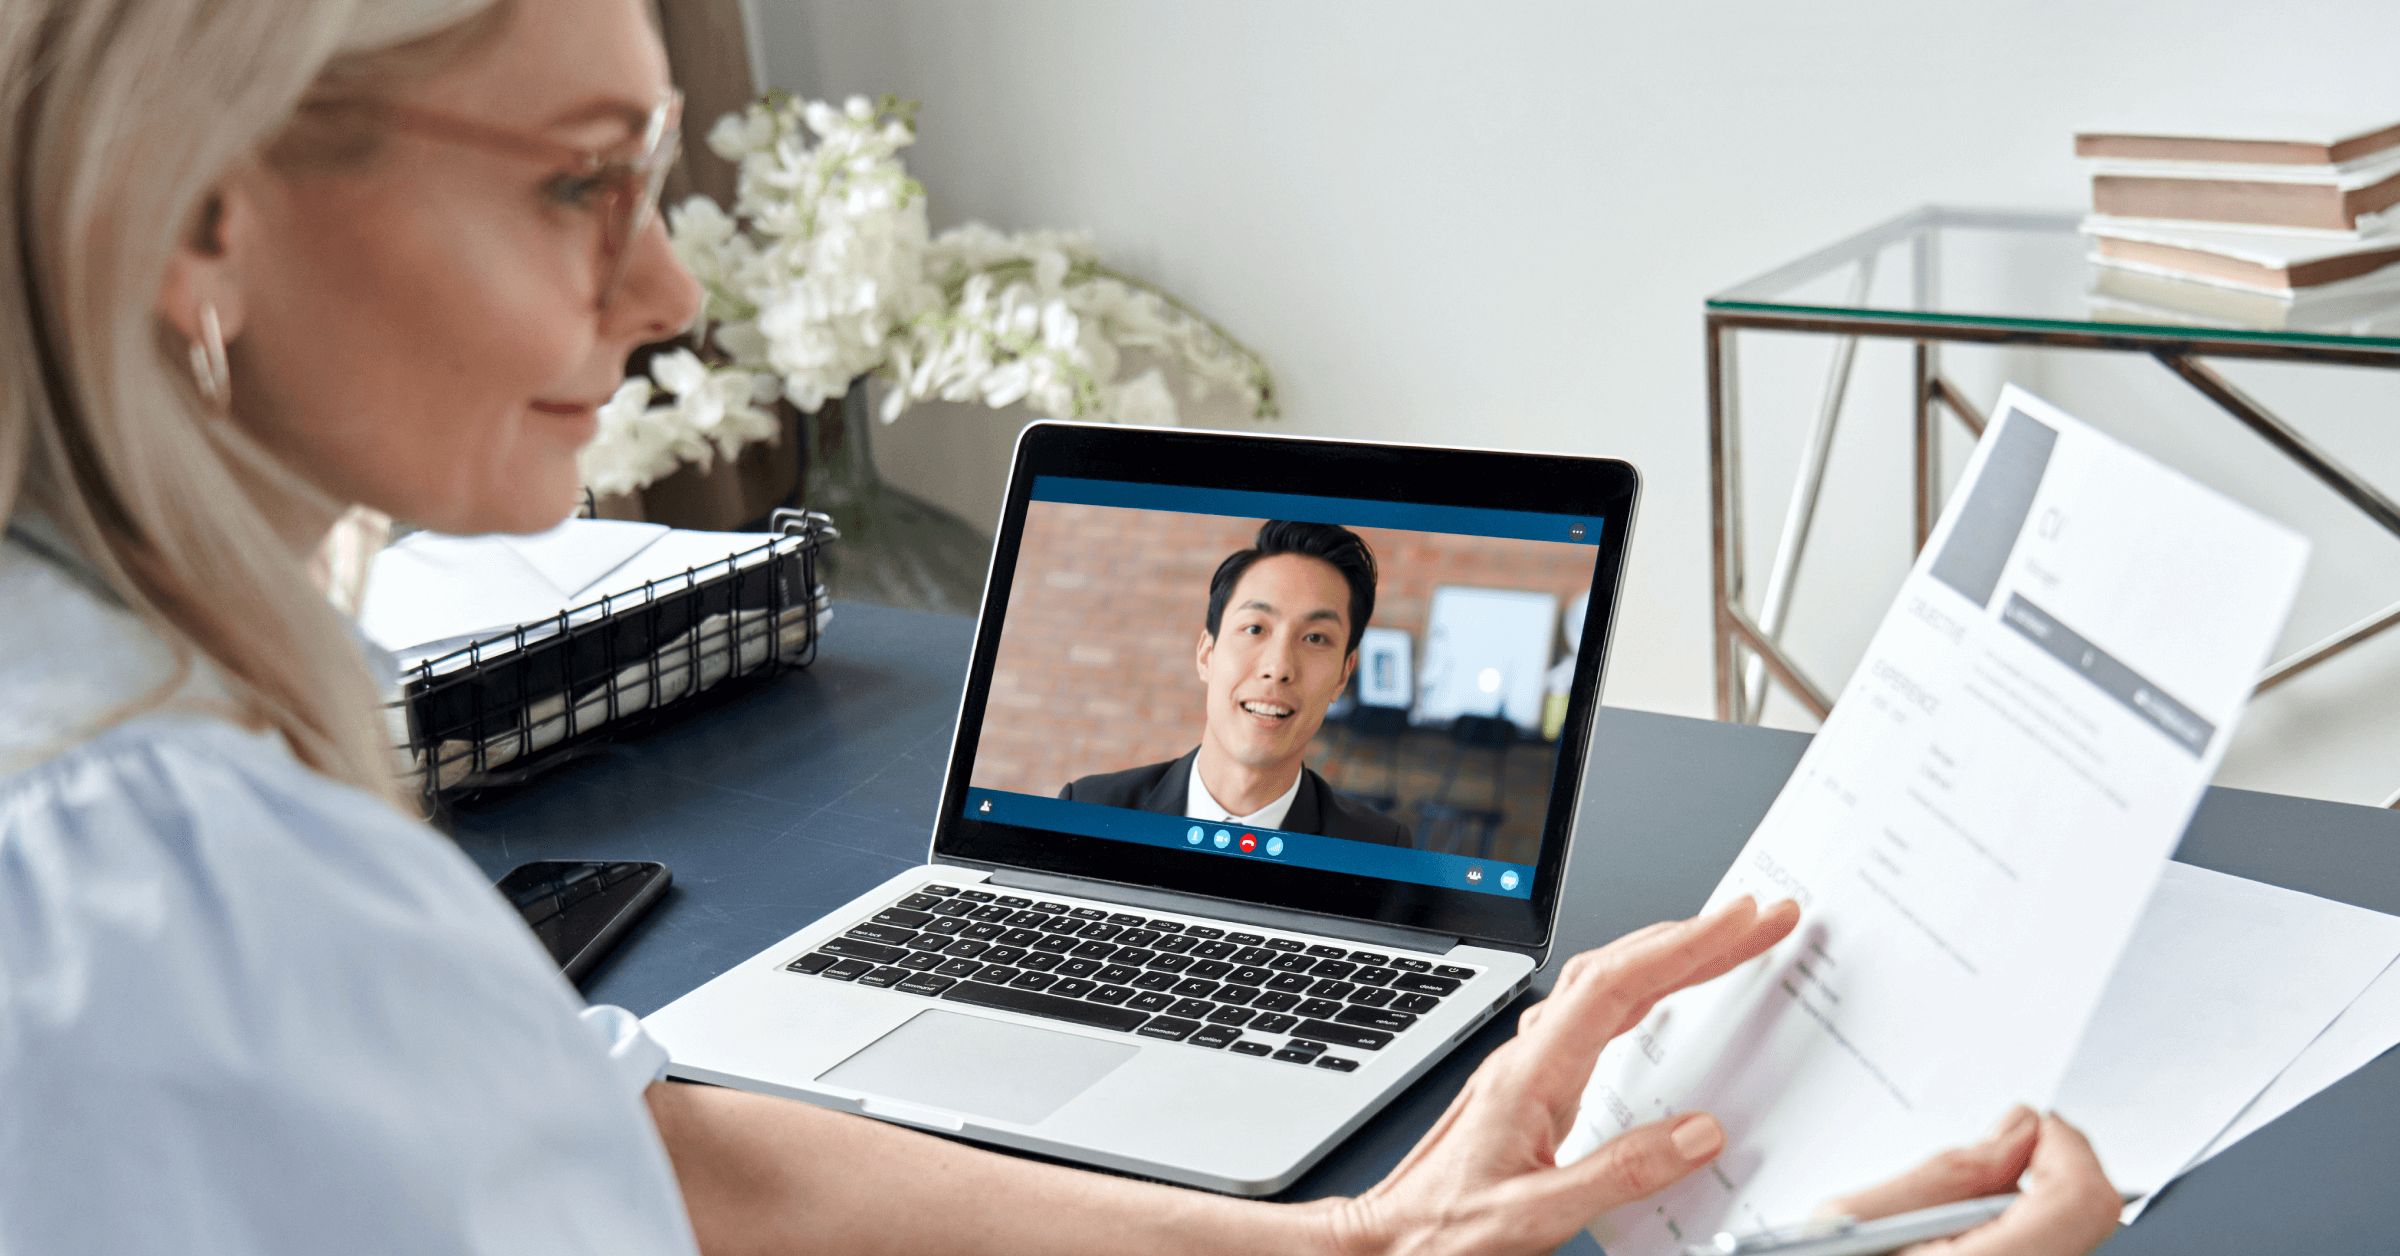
(1278, 998)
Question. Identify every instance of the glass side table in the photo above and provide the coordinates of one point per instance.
(1979, 276)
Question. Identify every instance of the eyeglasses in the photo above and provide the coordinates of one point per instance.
(626, 189)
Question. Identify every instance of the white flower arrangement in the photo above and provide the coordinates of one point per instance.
(826, 272)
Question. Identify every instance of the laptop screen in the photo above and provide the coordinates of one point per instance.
(1253, 691)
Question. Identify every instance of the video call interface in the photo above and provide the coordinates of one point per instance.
(1414, 743)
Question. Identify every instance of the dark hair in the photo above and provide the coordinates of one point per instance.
(1346, 550)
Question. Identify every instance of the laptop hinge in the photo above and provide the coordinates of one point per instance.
(1348, 930)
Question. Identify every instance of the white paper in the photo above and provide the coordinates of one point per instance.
(1972, 835)
(2224, 982)
(2364, 1030)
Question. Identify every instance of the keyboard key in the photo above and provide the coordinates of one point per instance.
(1192, 1008)
(1418, 983)
(1011, 900)
(1035, 1003)
(1275, 1023)
(1303, 1044)
(997, 974)
(1214, 950)
(1018, 937)
(1167, 926)
(1134, 956)
(1235, 994)
(1041, 962)
(1155, 981)
(1117, 974)
(1334, 968)
(1293, 963)
(926, 984)
(1289, 1056)
(961, 968)
(953, 907)
(1244, 939)
(1318, 1007)
(976, 896)
(1170, 963)
(852, 948)
(1252, 955)
(1079, 968)
(1033, 981)
(1088, 913)
(903, 918)
(1213, 969)
(1453, 970)
(1151, 1001)
(1057, 944)
(931, 942)
(1337, 1064)
(1094, 950)
(1231, 1016)
(1195, 988)
(1137, 937)
(919, 961)
(1253, 1048)
(1178, 942)
(882, 977)
(1171, 1028)
(982, 932)
(1348, 1035)
(1332, 989)
(812, 963)
(1284, 944)
(1203, 931)
(950, 925)
(966, 948)
(1214, 1036)
(1376, 1018)
(1408, 965)
(1100, 931)
(1053, 908)
(1276, 1001)
(1327, 952)
(1065, 925)
(1369, 996)
(1073, 987)
(919, 902)
(1124, 918)
(1417, 1004)
(1370, 957)
(943, 890)
(992, 912)
(1250, 976)
(1293, 982)
(1004, 955)
(1110, 994)
(1028, 919)
(1374, 976)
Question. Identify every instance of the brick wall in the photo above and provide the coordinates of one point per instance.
(1096, 672)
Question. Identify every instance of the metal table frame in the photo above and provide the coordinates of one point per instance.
(1748, 650)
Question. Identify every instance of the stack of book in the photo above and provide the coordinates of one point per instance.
(2289, 224)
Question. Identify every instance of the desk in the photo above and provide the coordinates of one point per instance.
(781, 802)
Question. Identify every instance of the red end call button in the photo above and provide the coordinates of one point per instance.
(1249, 843)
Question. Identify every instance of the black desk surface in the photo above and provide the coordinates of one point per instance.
(783, 801)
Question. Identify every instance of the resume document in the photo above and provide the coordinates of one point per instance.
(1971, 837)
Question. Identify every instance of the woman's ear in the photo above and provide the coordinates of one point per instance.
(206, 268)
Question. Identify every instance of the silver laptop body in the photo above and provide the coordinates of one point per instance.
(1208, 1003)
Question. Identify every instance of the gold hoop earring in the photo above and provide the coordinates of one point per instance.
(209, 368)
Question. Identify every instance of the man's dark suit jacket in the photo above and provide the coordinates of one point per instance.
(1162, 788)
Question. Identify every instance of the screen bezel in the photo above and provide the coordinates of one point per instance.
(1605, 489)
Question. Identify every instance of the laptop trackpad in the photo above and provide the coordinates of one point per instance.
(982, 1067)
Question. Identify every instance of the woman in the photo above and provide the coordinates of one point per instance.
(275, 257)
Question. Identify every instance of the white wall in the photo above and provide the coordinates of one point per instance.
(1494, 224)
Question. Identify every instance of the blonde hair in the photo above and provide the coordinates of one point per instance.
(122, 115)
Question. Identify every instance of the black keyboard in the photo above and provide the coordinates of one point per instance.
(1283, 999)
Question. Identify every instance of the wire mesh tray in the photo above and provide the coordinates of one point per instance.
(498, 710)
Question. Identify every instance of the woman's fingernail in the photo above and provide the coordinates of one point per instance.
(2013, 1124)
(1698, 1136)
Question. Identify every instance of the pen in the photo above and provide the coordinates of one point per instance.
(1849, 1236)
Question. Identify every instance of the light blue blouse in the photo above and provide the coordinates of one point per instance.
(246, 1010)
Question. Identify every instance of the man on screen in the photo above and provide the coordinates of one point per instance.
(1284, 622)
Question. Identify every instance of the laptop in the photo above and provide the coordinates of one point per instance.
(1132, 944)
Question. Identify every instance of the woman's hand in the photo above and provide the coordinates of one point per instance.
(2064, 1207)
(1484, 1178)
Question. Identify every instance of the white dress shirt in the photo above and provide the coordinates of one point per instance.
(1199, 804)
(244, 1009)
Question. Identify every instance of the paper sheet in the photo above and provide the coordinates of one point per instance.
(2224, 982)
(2364, 1030)
(1972, 835)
